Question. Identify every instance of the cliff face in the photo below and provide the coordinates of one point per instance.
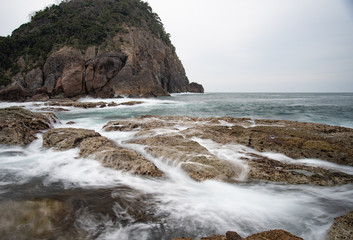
(133, 62)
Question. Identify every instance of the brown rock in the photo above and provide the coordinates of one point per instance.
(71, 80)
(40, 97)
(14, 93)
(233, 236)
(265, 169)
(100, 70)
(69, 103)
(180, 146)
(299, 140)
(182, 238)
(34, 79)
(194, 159)
(95, 144)
(131, 103)
(19, 126)
(38, 219)
(128, 161)
(66, 138)
(196, 88)
(342, 228)
(273, 234)
(215, 237)
(59, 61)
(152, 67)
(112, 156)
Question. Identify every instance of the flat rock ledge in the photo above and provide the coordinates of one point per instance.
(19, 126)
(93, 145)
(196, 144)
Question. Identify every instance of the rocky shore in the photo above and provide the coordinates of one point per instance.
(267, 151)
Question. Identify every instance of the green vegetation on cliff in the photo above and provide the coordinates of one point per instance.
(78, 23)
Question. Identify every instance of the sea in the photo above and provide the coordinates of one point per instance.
(111, 204)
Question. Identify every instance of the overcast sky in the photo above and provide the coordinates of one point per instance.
(248, 45)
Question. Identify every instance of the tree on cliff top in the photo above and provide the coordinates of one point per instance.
(78, 23)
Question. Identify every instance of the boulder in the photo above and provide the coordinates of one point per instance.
(18, 126)
(34, 79)
(35, 219)
(342, 228)
(14, 93)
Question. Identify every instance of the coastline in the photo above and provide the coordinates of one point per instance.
(198, 141)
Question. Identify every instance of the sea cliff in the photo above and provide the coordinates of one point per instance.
(114, 48)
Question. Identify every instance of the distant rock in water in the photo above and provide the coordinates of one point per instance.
(118, 48)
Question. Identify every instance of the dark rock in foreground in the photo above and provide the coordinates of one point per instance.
(92, 144)
(19, 126)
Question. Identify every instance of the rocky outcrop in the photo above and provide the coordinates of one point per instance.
(19, 126)
(14, 92)
(196, 145)
(101, 104)
(342, 228)
(268, 235)
(135, 63)
(93, 145)
(299, 140)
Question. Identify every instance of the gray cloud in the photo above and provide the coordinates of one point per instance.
(242, 45)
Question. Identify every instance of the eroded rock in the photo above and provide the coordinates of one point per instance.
(342, 228)
(14, 93)
(38, 219)
(18, 126)
(180, 139)
(66, 138)
(267, 235)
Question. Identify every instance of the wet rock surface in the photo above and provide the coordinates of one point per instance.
(18, 126)
(267, 235)
(93, 145)
(195, 143)
(342, 228)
